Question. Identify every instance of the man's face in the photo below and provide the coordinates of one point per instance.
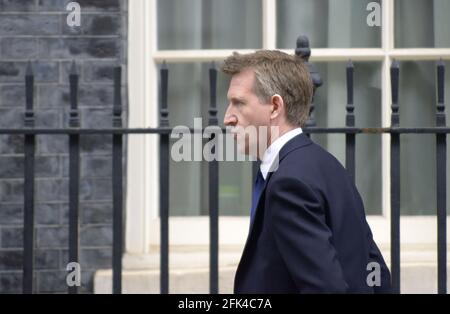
(246, 110)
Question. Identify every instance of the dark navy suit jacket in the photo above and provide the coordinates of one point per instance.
(309, 234)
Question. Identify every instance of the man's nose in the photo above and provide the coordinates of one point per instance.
(229, 118)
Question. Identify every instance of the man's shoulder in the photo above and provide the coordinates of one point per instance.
(309, 155)
(309, 162)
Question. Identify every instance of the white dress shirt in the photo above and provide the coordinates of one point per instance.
(270, 159)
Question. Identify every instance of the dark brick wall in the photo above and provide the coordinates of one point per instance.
(36, 30)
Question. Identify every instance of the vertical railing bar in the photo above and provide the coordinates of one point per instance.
(164, 180)
(395, 181)
(117, 185)
(350, 122)
(74, 173)
(213, 191)
(29, 154)
(441, 184)
(303, 51)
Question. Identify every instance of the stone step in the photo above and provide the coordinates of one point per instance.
(190, 281)
(415, 278)
(189, 270)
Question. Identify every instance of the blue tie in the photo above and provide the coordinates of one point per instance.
(257, 190)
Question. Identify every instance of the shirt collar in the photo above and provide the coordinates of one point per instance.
(270, 160)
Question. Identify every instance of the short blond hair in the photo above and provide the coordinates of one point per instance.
(277, 73)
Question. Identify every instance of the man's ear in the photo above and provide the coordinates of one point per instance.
(277, 106)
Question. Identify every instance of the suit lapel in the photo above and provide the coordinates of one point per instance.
(250, 233)
(296, 142)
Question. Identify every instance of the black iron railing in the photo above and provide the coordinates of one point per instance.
(74, 132)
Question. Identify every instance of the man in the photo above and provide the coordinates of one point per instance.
(308, 230)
